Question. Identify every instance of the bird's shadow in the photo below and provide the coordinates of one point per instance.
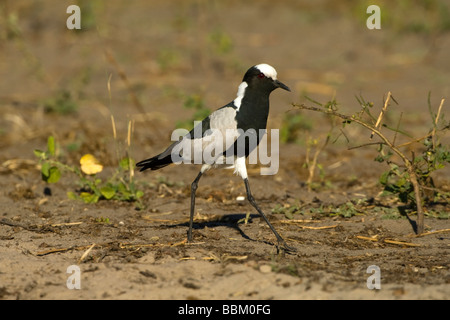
(227, 220)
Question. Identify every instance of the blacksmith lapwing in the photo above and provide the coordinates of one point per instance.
(244, 120)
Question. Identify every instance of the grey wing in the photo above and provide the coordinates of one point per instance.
(206, 143)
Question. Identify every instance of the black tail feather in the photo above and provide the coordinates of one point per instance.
(154, 163)
(157, 162)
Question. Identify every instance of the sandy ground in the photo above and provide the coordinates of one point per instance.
(166, 52)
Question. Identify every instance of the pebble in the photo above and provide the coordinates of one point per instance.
(265, 268)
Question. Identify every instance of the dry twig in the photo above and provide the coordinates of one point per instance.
(383, 111)
(408, 164)
(86, 253)
(400, 243)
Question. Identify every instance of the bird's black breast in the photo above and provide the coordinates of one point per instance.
(252, 119)
(253, 112)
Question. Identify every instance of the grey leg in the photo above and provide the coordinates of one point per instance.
(194, 187)
(253, 203)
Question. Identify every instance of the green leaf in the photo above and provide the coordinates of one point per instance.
(122, 188)
(139, 194)
(51, 145)
(288, 214)
(125, 163)
(40, 154)
(72, 195)
(108, 192)
(89, 197)
(50, 174)
(384, 178)
(54, 175)
(313, 101)
(45, 170)
(379, 158)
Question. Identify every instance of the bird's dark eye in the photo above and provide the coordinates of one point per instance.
(261, 75)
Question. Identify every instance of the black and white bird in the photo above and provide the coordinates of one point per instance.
(244, 120)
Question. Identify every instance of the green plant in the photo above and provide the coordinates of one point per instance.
(346, 210)
(61, 103)
(220, 41)
(196, 103)
(102, 220)
(410, 178)
(318, 144)
(90, 10)
(287, 210)
(167, 58)
(50, 172)
(292, 126)
(120, 186)
(397, 180)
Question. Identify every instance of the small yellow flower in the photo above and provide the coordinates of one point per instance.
(90, 164)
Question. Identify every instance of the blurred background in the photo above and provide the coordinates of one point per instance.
(170, 62)
(137, 69)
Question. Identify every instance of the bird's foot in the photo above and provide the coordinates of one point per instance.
(283, 247)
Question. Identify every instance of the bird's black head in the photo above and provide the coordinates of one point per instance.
(263, 77)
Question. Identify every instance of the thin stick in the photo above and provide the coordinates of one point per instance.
(44, 253)
(114, 127)
(312, 167)
(365, 145)
(109, 89)
(380, 117)
(293, 221)
(319, 228)
(66, 224)
(432, 232)
(124, 78)
(86, 253)
(401, 243)
(398, 126)
(409, 166)
(433, 133)
(130, 164)
(367, 238)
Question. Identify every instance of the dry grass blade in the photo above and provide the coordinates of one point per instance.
(431, 232)
(46, 252)
(400, 243)
(212, 257)
(66, 224)
(153, 245)
(14, 164)
(433, 133)
(374, 239)
(319, 228)
(383, 111)
(226, 257)
(197, 218)
(295, 221)
(127, 246)
(124, 78)
(86, 253)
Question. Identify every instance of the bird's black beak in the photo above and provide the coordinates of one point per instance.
(281, 85)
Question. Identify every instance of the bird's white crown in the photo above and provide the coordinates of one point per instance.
(268, 70)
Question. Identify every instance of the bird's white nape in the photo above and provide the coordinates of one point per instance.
(240, 94)
(268, 70)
